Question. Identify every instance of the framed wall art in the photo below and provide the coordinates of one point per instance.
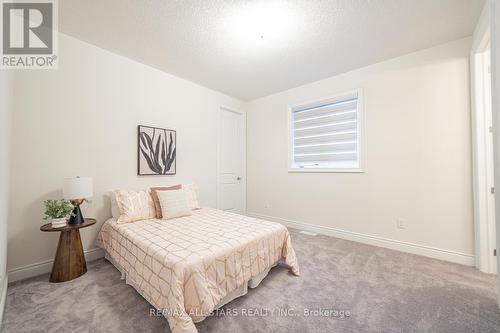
(157, 148)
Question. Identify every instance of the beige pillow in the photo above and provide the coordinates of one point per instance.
(174, 203)
(134, 205)
(157, 201)
(192, 191)
(115, 210)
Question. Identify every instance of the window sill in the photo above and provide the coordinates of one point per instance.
(356, 170)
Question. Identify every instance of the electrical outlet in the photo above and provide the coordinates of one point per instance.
(266, 205)
(400, 224)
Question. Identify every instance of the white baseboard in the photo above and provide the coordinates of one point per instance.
(3, 297)
(423, 250)
(43, 267)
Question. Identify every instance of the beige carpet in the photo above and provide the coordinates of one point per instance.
(381, 290)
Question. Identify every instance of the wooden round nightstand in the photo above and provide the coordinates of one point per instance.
(70, 260)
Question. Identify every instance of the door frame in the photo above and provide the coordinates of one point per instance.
(244, 175)
(484, 217)
(494, 7)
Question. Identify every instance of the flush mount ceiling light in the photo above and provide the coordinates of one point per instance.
(258, 22)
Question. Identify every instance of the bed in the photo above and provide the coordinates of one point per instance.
(189, 266)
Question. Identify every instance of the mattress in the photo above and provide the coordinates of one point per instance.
(186, 267)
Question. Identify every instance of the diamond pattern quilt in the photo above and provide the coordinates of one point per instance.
(185, 266)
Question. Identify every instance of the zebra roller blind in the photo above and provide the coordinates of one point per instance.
(326, 135)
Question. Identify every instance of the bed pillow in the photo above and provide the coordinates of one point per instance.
(156, 201)
(174, 203)
(192, 195)
(115, 210)
(134, 205)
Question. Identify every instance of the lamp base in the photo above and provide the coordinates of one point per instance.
(77, 217)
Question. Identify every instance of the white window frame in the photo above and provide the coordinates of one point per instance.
(360, 129)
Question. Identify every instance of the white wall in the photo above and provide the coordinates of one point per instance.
(6, 106)
(418, 156)
(82, 120)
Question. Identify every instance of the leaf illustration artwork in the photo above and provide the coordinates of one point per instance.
(157, 151)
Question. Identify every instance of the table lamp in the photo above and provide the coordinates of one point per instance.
(77, 190)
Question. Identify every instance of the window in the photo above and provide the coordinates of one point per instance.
(326, 135)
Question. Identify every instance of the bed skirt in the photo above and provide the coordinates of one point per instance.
(241, 291)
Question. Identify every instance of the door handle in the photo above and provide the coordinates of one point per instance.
(238, 178)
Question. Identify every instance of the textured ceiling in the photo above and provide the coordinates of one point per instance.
(250, 49)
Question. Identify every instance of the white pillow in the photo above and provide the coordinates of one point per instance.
(192, 195)
(115, 210)
(134, 205)
(174, 203)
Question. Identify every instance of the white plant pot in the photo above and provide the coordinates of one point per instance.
(58, 223)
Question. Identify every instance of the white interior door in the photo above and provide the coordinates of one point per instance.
(489, 149)
(483, 151)
(231, 158)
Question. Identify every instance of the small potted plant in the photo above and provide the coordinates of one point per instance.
(58, 211)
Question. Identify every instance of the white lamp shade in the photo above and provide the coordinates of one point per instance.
(77, 188)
